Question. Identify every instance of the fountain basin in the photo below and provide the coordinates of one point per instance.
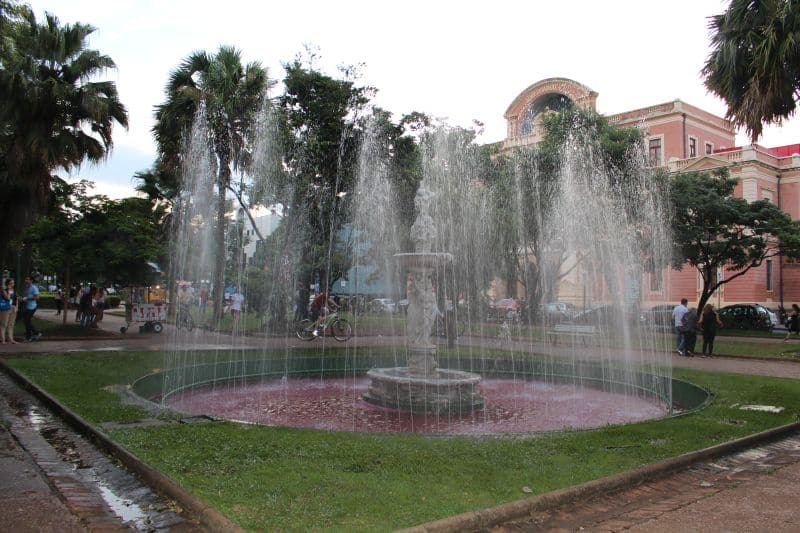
(445, 391)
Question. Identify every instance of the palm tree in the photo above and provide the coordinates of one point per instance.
(754, 65)
(231, 94)
(52, 115)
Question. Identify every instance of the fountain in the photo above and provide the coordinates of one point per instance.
(422, 386)
(382, 381)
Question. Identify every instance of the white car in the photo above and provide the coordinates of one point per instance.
(383, 305)
(773, 318)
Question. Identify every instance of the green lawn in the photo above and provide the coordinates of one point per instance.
(269, 478)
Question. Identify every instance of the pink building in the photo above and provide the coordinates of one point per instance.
(685, 138)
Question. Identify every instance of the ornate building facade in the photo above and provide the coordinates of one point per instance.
(684, 138)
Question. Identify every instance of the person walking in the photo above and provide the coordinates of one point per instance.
(709, 322)
(30, 299)
(98, 306)
(677, 316)
(689, 325)
(8, 312)
(86, 307)
(59, 298)
(793, 323)
(203, 297)
(237, 301)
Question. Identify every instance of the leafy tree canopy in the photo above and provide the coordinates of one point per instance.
(714, 230)
(54, 113)
(754, 65)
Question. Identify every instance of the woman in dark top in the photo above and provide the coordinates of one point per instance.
(709, 321)
(793, 322)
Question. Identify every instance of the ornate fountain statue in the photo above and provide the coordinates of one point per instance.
(422, 386)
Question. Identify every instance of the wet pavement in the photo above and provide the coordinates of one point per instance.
(53, 479)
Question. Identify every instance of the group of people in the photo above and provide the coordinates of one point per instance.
(10, 304)
(687, 325)
(89, 303)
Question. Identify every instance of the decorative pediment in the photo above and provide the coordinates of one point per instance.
(706, 162)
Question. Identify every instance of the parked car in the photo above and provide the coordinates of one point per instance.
(746, 316)
(505, 309)
(604, 316)
(383, 305)
(557, 312)
(658, 316)
(773, 316)
(402, 306)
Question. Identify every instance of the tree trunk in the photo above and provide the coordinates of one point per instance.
(219, 267)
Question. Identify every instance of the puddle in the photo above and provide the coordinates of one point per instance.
(126, 509)
(36, 418)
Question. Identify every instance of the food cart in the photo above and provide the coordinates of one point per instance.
(143, 307)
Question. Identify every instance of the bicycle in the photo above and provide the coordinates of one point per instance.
(339, 327)
(184, 318)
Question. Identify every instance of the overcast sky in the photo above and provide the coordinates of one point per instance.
(456, 60)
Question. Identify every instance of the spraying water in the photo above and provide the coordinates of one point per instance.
(587, 233)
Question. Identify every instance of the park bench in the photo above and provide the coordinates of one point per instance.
(572, 331)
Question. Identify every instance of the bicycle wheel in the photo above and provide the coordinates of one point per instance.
(304, 330)
(341, 329)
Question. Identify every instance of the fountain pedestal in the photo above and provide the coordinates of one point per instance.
(449, 392)
(422, 387)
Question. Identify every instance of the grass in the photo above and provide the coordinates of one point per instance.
(271, 478)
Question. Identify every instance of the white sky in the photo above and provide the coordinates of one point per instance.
(456, 60)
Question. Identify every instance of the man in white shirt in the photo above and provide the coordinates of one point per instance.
(237, 301)
(677, 315)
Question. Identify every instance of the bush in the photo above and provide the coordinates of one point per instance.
(46, 301)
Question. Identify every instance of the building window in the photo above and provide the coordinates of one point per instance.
(654, 151)
(769, 274)
(709, 148)
(692, 146)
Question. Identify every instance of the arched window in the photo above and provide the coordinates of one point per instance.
(547, 102)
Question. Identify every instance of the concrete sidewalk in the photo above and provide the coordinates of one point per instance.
(23, 488)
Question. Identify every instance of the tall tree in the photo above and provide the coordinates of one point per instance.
(715, 231)
(52, 114)
(89, 237)
(321, 113)
(528, 184)
(754, 65)
(231, 94)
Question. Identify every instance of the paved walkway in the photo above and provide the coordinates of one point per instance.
(753, 491)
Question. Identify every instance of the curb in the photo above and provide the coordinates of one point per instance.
(204, 513)
(493, 516)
